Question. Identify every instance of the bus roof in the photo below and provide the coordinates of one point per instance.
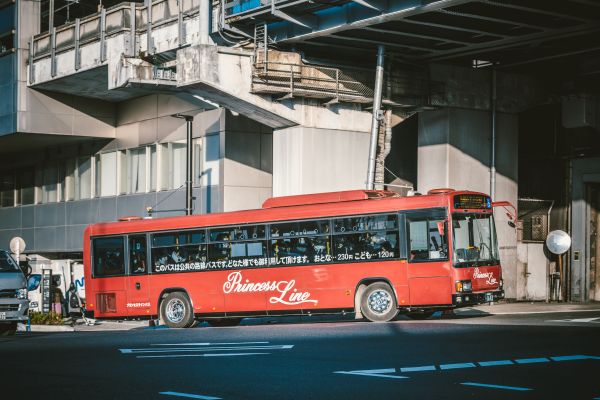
(318, 205)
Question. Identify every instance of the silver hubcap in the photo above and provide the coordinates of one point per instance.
(175, 310)
(379, 301)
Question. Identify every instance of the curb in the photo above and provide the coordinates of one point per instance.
(45, 328)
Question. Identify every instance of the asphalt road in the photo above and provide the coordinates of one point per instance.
(533, 356)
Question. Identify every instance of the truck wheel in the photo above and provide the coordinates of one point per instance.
(176, 311)
(378, 302)
(8, 329)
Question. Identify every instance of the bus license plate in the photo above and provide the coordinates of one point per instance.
(489, 297)
(2, 315)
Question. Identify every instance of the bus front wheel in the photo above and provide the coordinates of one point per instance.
(176, 311)
(378, 302)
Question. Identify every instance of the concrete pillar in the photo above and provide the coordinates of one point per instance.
(454, 152)
(311, 160)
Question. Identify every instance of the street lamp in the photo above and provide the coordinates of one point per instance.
(188, 162)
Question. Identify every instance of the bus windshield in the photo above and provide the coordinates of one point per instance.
(474, 237)
(7, 264)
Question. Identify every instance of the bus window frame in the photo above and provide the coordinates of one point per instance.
(427, 215)
(124, 238)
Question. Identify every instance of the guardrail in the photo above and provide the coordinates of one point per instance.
(134, 18)
(309, 81)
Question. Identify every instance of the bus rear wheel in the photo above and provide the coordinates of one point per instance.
(176, 311)
(378, 302)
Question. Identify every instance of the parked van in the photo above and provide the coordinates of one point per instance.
(14, 305)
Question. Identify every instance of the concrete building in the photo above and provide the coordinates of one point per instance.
(494, 97)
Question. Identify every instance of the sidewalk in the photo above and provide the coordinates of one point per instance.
(501, 308)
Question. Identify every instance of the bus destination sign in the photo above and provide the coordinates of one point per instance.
(472, 201)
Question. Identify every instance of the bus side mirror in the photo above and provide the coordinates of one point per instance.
(33, 282)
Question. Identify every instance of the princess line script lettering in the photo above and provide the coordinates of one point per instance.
(286, 293)
(488, 276)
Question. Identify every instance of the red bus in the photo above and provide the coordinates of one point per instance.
(372, 253)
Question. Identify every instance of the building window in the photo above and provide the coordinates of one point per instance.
(68, 181)
(7, 189)
(26, 187)
(50, 184)
(177, 165)
(84, 178)
(152, 168)
(106, 174)
(136, 170)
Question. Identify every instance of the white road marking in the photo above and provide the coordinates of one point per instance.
(190, 396)
(595, 320)
(385, 373)
(528, 312)
(203, 355)
(206, 344)
(205, 348)
(379, 373)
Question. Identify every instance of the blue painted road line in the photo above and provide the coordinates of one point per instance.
(457, 366)
(190, 396)
(494, 363)
(520, 389)
(532, 360)
(418, 369)
(571, 358)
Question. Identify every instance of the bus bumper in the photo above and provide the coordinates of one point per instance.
(469, 299)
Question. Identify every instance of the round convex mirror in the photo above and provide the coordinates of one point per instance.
(558, 242)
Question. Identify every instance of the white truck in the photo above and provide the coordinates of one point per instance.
(14, 305)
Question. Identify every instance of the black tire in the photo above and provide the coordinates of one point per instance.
(8, 329)
(176, 311)
(420, 315)
(378, 303)
(217, 322)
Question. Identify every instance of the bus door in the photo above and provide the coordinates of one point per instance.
(107, 291)
(429, 269)
(138, 290)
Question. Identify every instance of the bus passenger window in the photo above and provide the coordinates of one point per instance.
(108, 256)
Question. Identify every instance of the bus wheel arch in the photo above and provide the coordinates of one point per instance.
(175, 308)
(377, 289)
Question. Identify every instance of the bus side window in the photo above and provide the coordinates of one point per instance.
(137, 255)
(427, 240)
(109, 256)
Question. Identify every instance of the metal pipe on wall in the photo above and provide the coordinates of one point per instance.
(376, 117)
(493, 144)
(50, 15)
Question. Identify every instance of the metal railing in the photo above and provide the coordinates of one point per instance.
(309, 81)
(134, 18)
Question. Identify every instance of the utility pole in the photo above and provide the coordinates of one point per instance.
(188, 162)
(377, 116)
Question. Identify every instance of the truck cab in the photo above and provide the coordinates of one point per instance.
(14, 304)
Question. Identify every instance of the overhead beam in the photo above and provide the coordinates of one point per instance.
(352, 15)
(516, 41)
(372, 4)
(492, 19)
(552, 57)
(454, 28)
(380, 42)
(444, 40)
(537, 11)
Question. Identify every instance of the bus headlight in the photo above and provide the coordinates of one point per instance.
(463, 286)
(21, 294)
